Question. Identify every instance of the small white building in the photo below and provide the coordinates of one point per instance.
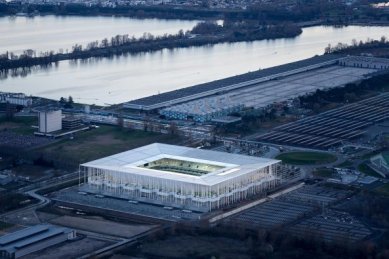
(50, 121)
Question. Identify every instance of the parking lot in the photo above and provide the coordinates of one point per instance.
(272, 214)
(304, 212)
(71, 195)
(332, 127)
(332, 226)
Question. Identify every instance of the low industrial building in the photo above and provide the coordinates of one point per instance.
(180, 177)
(32, 239)
(71, 122)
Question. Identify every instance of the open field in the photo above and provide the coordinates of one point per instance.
(323, 172)
(101, 142)
(306, 158)
(12, 201)
(95, 224)
(4, 225)
(21, 125)
(70, 249)
(364, 168)
(186, 246)
(32, 172)
(345, 164)
(384, 189)
(371, 154)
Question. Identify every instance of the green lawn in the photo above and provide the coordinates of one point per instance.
(371, 154)
(306, 158)
(20, 125)
(364, 168)
(4, 225)
(345, 164)
(11, 201)
(101, 142)
(384, 189)
(323, 172)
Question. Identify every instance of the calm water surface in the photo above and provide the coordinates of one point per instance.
(110, 81)
(45, 33)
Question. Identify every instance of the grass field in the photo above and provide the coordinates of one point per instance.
(20, 125)
(369, 155)
(384, 189)
(5, 225)
(186, 246)
(11, 201)
(306, 158)
(345, 164)
(323, 172)
(101, 142)
(364, 168)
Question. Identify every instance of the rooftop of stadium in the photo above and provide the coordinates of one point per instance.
(181, 164)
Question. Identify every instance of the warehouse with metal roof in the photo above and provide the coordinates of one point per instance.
(32, 239)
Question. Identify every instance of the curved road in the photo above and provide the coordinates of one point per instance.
(43, 201)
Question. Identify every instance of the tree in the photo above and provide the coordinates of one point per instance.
(69, 103)
(9, 111)
(173, 128)
(62, 101)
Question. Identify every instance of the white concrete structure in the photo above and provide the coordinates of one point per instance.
(182, 177)
(50, 121)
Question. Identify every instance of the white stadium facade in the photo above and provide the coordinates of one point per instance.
(181, 177)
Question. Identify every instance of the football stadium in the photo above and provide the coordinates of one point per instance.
(180, 177)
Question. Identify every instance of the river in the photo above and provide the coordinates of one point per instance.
(45, 33)
(111, 81)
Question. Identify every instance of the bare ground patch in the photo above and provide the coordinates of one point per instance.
(102, 226)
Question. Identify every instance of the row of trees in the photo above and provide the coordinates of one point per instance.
(349, 93)
(203, 34)
(262, 243)
(276, 10)
(66, 102)
(357, 46)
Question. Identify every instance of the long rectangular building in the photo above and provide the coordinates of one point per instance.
(182, 177)
(261, 89)
(32, 239)
(227, 84)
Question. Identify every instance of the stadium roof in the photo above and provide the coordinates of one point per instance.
(160, 99)
(232, 165)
